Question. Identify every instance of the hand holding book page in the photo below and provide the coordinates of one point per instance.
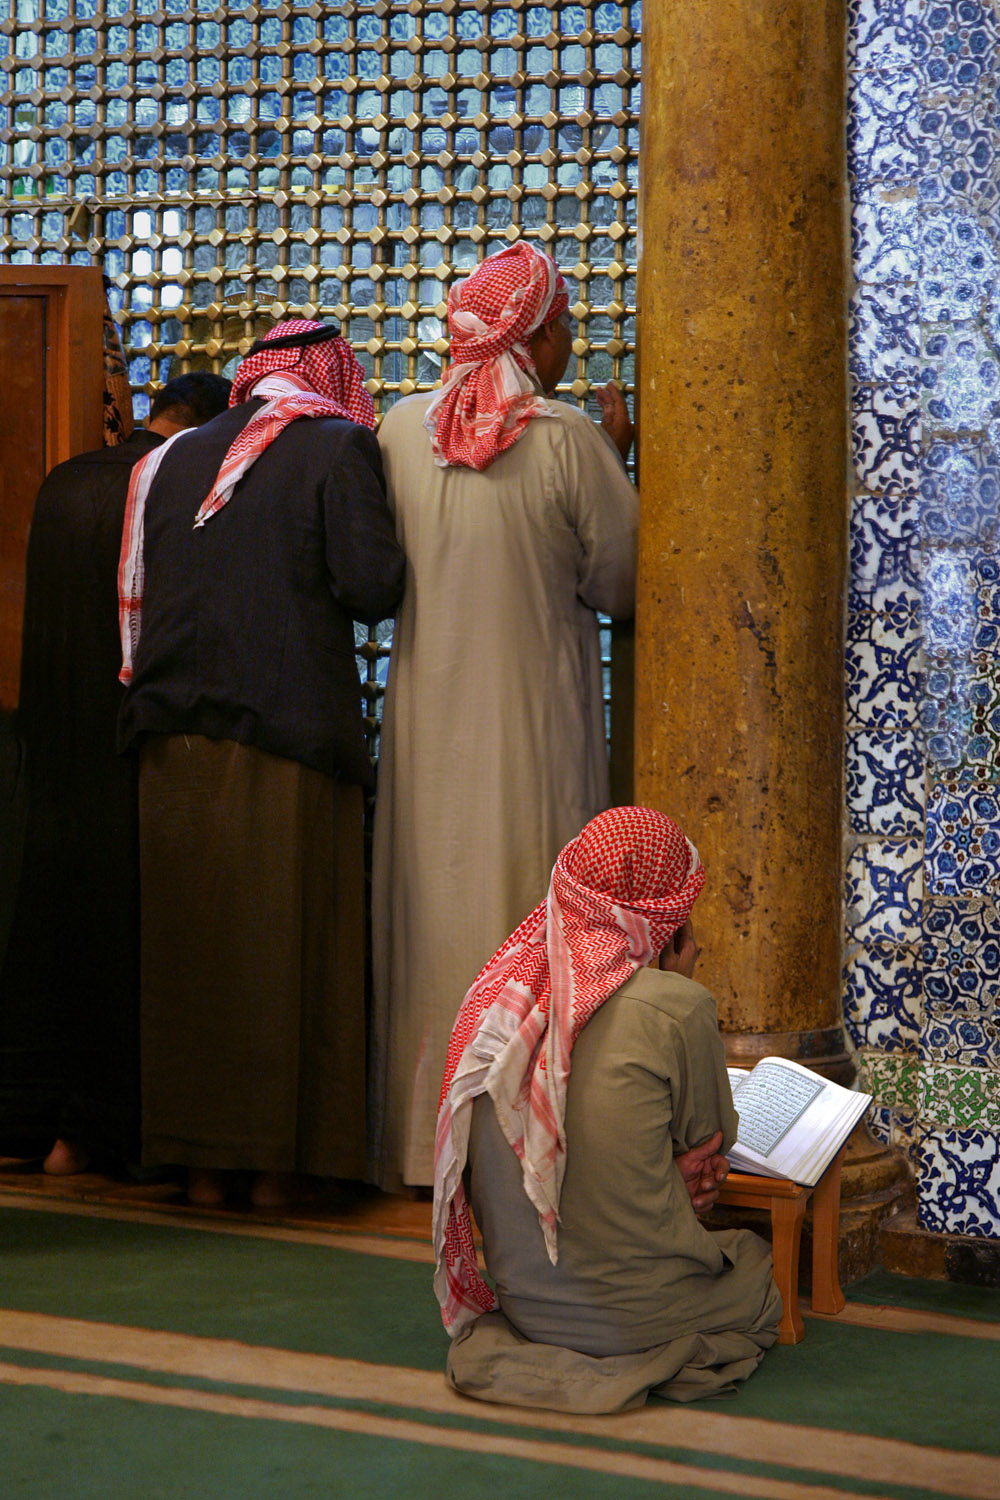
(792, 1121)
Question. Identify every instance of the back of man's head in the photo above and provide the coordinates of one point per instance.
(190, 400)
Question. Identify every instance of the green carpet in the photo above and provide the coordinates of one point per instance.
(928, 1388)
(82, 1448)
(880, 1289)
(303, 1297)
(112, 1425)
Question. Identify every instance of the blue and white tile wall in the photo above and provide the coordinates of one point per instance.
(922, 976)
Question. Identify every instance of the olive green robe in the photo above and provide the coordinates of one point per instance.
(643, 1296)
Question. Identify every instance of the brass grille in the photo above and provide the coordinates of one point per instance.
(226, 164)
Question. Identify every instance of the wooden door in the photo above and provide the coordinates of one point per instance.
(51, 373)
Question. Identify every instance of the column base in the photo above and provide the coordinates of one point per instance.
(875, 1184)
(908, 1250)
(821, 1048)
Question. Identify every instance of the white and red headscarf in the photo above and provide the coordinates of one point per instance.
(488, 397)
(618, 893)
(302, 369)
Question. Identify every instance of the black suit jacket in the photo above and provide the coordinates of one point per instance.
(247, 629)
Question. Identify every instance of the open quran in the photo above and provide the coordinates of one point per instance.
(792, 1121)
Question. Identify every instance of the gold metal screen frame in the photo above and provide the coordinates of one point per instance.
(227, 164)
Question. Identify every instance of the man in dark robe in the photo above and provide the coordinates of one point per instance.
(69, 981)
(249, 549)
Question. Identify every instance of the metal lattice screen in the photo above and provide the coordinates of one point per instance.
(228, 163)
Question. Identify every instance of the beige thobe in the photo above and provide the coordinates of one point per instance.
(643, 1295)
(493, 744)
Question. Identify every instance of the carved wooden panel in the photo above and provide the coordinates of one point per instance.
(51, 374)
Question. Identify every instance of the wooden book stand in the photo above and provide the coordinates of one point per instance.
(786, 1202)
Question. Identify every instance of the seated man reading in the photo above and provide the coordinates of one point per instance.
(584, 1108)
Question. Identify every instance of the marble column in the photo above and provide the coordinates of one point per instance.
(743, 452)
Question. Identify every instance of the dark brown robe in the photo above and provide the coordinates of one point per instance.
(69, 982)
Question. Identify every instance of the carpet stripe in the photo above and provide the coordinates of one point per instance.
(168, 1218)
(848, 1455)
(858, 1314)
(908, 1320)
(629, 1466)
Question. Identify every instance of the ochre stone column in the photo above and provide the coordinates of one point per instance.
(743, 453)
(742, 445)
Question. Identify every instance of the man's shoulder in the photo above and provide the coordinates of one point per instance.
(566, 428)
(673, 995)
(325, 431)
(408, 411)
(574, 424)
(416, 401)
(89, 478)
(208, 443)
(567, 411)
(124, 455)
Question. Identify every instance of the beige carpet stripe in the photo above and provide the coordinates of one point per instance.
(859, 1315)
(870, 1459)
(909, 1320)
(331, 1239)
(631, 1466)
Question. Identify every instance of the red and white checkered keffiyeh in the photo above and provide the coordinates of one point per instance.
(314, 379)
(618, 893)
(488, 397)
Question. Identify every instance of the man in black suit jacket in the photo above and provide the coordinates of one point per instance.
(246, 559)
(69, 1064)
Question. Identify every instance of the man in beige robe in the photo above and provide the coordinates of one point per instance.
(517, 527)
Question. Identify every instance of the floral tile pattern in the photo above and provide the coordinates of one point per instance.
(967, 1037)
(885, 781)
(958, 43)
(949, 603)
(885, 33)
(960, 957)
(963, 1097)
(882, 664)
(956, 154)
(958, 267)
(960, 379)
(886, 439)
(885, 547)
(883, 1002)
(885, 887)
(960, 493)
(922, 658)
(946, 710)
(963, 837)
(885, 128)
(893, 1079)
(884, 337)
(958, 1181)
(885, 241)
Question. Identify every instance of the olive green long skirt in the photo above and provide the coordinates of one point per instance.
(253, 1031)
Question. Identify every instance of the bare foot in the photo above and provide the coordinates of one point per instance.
(279, 1189)
(65, 1159)
(206, 1187)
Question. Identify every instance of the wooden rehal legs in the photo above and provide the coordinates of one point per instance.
(786, 1202)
